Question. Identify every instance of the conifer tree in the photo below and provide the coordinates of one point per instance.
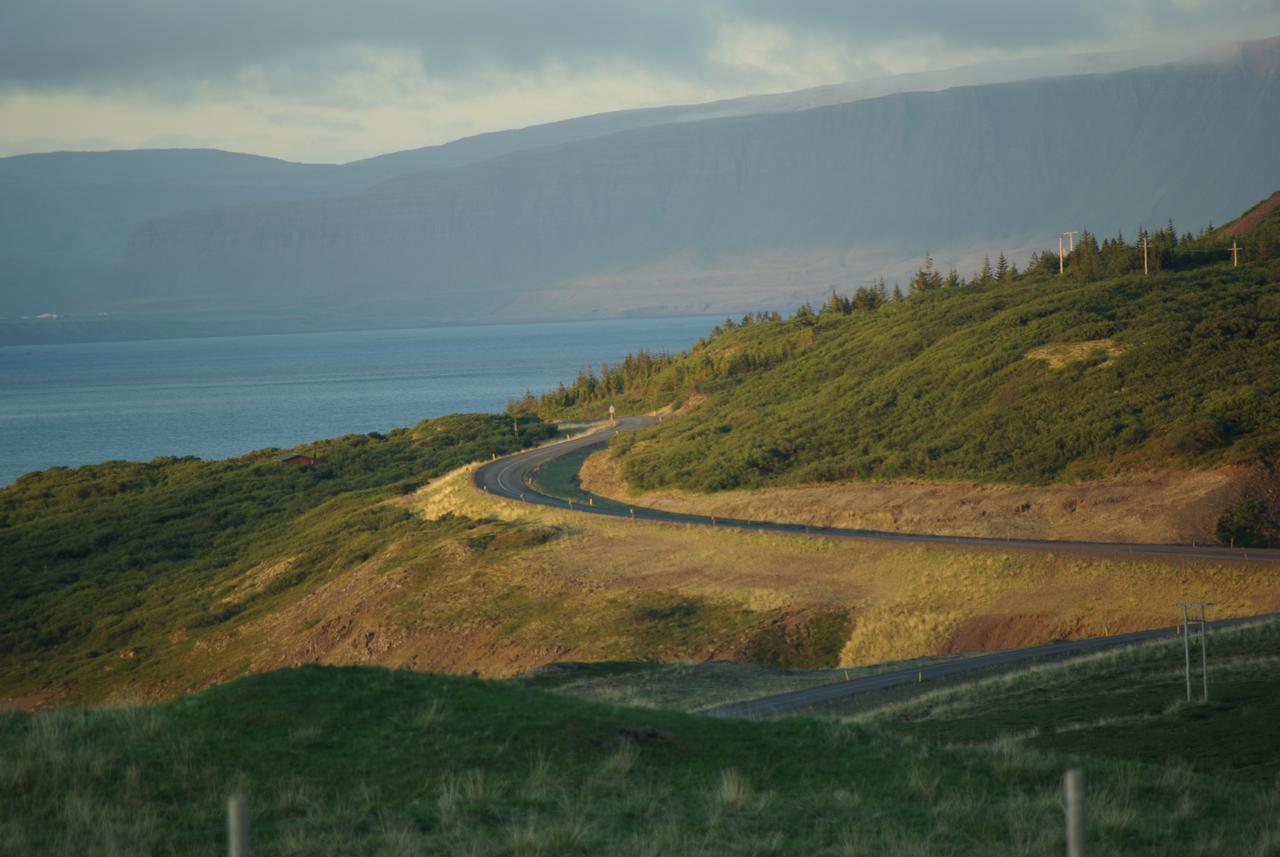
(985, 277)
(1002, 268)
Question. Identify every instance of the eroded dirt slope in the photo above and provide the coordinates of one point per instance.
(1171, 507)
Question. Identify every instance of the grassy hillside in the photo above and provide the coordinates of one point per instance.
(133, 556)
(1127, 704)
(358, 760)
(1027, 378)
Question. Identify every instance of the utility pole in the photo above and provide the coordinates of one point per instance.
(1059, 254)
(1235, 255)
(1145, 270)
(1071, 239)
(1186, 650)
(1189, 618)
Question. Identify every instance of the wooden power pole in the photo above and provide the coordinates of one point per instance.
(1145, 270)
(1060, 268)
(1189, 620)
(1071, 239)
(1235, 255)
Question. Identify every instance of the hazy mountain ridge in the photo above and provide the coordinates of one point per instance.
(1003, 163)
(751, 201)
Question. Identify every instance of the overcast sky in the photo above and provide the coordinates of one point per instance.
(335, 80)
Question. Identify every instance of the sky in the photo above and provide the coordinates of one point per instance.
(337, 80)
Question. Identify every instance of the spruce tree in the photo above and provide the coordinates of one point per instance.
(985, 277)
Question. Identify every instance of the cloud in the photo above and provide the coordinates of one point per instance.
(331, 79)
(60, 43)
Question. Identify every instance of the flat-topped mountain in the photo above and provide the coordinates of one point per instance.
(675, 217)
(717, 207)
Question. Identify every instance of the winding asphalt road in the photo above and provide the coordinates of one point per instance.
(512, 477)
(777, 705)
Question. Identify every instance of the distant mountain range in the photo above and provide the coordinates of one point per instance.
(753, 202)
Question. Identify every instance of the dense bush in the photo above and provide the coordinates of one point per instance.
(941, 386)
(1249, 524)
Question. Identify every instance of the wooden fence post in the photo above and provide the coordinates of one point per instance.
(238, 825)
(1073, 782)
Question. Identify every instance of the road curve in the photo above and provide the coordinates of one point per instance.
(511, 477)
(777, 705)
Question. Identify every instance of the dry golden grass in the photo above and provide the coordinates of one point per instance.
(906, 601)
(1060, 354)
(610, 589)
(1171, 507)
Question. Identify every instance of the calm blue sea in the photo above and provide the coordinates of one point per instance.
(224, 396)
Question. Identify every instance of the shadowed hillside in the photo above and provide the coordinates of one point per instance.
(342, 761)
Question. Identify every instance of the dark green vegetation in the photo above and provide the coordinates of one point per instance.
(1009, 377)
(813, 644)
(1249, 524)
(361, 760)
(128, 554)
(1129, 705)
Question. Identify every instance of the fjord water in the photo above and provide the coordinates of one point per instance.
(223, 396)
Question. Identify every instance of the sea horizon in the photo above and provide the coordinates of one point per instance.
(215, 397)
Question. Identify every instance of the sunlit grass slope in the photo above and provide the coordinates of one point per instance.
(1178, 369)
(1015, 377)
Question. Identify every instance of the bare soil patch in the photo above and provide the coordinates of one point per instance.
(1170, 507)
(1251, 218)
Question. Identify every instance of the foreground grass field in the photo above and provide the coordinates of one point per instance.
(371, 761)
(1126, 704)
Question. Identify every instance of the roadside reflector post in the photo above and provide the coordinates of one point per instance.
(238, 825)
(1073, 783)
(919, 676)
(591, 501)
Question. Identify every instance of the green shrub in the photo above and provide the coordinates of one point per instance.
(1249, 524)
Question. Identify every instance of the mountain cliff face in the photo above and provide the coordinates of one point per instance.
(1003, 165)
